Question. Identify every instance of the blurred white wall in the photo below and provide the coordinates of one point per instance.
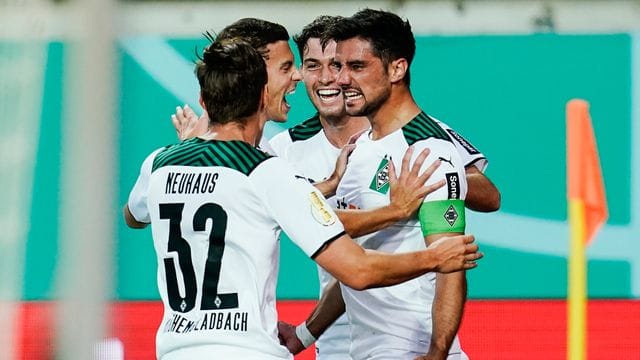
(426, 16)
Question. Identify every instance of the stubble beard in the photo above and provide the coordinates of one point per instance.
(370, 106)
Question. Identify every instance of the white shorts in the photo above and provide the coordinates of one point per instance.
(219, 352)
(397, 354)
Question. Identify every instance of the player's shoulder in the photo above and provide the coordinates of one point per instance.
(306, 129)
(236, 155)
(424, 127)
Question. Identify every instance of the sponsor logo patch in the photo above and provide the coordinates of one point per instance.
(380, 181)
(453, 185)
(451, 215)
(462, 141)
(320, 210)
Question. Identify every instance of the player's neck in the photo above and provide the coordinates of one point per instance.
(248, 131)
(339, 131)
(396, 112)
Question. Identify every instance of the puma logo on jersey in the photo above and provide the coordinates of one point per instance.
(445, 160)
(305, 178)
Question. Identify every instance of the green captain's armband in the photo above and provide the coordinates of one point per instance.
(442, 216)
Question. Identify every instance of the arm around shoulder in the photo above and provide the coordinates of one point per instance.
(361, 269)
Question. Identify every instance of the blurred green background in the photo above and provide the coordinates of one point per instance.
(506, 94)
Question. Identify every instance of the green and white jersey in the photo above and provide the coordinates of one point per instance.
(470, 154)
(399, 317)
(216, 209)
(307, 149)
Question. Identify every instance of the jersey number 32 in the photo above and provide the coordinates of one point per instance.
(211, 299)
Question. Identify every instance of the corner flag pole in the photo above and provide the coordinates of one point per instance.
(587, 211)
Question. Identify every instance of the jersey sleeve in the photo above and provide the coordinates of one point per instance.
(280, 142)
(299, 209)
(138, 196)
(443, 210)
(470, 154)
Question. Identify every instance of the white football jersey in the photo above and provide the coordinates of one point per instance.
(470, 154)
(399, 317)
(216, 209)
(307, 149)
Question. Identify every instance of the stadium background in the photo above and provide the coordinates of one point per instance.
(504, 88)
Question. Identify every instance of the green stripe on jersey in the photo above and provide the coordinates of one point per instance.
(237, 155)
(423, 127)
(442, 216)
(306, 129)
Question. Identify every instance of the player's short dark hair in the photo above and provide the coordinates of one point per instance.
(256, 32)
(232, 76)
(315, 29)
(390, 36)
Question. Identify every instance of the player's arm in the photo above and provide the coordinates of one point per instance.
(439, 219)
(442, 215)
(313, 226)
(482, 194)
(451, 289)
(328, 309)
(135, 212)
(329, 186)
(131, 220)
(361, 269)
(406, 194)
(447, 308)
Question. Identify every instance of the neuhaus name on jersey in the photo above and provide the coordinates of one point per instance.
(228, 321)
(190, 183)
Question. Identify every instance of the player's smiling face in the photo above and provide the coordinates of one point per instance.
(319, 74)
(363, 77)
(282, 79)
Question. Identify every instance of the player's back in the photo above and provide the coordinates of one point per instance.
(217, 252)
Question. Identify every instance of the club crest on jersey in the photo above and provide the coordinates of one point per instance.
(451, 215)
(320, 210)
(380, 181)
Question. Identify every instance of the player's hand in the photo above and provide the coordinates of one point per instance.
(187, 124)
(455, 253)
(407, 192)
(341, 162)
(288, 338)
(329, 186)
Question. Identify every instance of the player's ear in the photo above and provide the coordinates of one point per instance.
(398, 69)
(202, 102)
(263, 98)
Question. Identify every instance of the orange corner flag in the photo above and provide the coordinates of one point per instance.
(587, 212)
(584, 177)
